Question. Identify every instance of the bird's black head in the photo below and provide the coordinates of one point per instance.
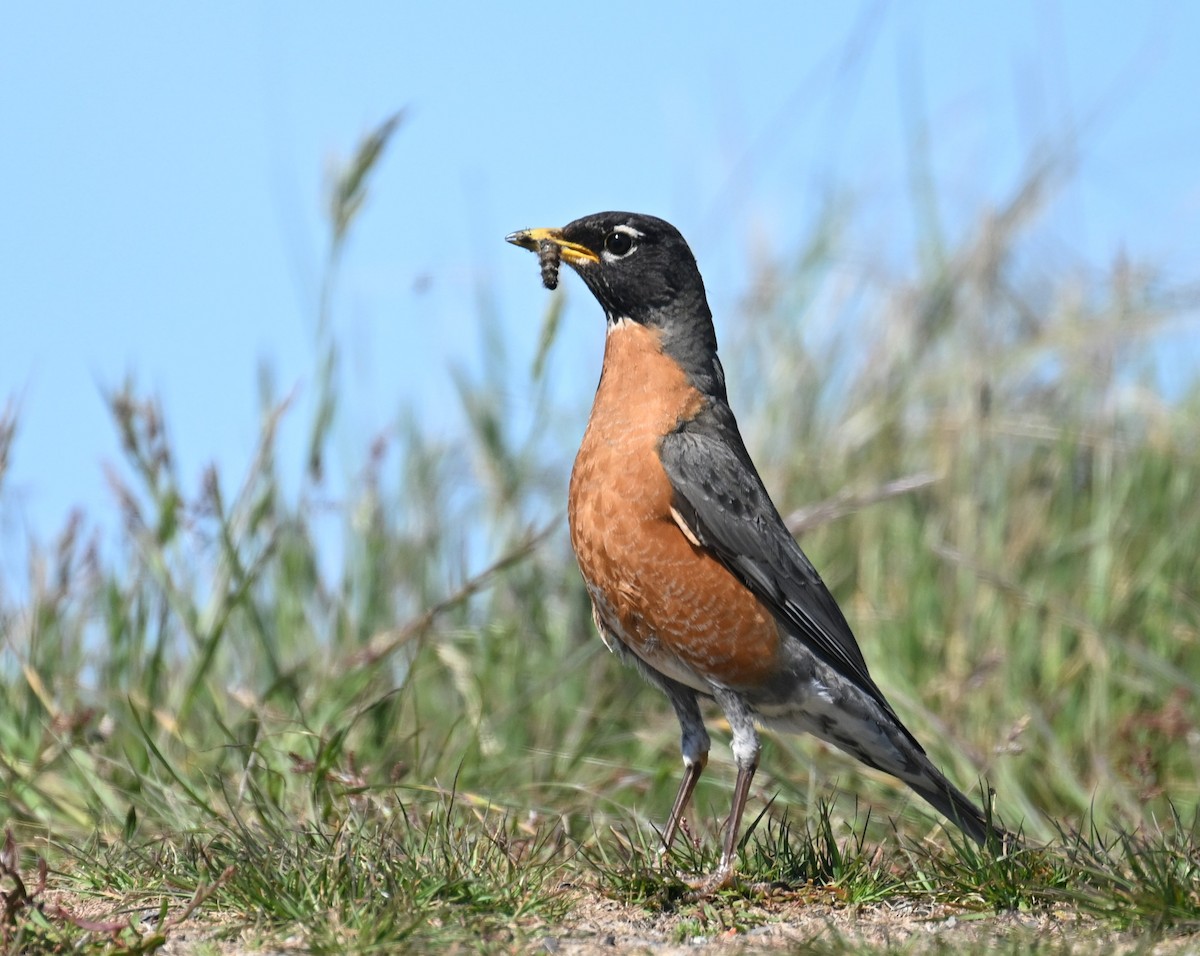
(640, 269)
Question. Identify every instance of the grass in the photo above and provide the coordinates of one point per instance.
(205, 733)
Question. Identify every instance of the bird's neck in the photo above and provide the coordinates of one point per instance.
(684, 333)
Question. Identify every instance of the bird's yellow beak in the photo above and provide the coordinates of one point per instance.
(573, 252)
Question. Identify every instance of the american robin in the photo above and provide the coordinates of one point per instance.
(692, 574)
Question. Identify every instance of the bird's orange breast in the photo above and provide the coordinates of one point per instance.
(666, 598)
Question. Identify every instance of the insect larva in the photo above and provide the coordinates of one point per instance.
(549, 255)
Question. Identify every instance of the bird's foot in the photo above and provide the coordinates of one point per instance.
(721, 878)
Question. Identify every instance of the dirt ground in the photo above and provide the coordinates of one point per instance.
(597, 926)
(601, 926)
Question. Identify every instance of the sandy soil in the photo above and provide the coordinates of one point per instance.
(791, 922)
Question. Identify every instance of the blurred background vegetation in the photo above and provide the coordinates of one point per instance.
(1028, 595)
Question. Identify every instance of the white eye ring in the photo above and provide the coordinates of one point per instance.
(619, 243)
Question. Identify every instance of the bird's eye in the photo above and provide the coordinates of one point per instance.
(618, 243)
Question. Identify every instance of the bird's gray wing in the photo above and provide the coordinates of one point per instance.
(721, 499)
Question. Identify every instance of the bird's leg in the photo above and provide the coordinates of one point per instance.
(746, 750)
(692, 768)
(694, 743)
(741, 791)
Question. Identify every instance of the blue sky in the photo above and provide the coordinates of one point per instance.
(163, 168)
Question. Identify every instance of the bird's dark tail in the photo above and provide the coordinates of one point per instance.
(958, 808)
(863, 725)
(896, 751)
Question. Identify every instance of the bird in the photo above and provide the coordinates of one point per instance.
(693, 576)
